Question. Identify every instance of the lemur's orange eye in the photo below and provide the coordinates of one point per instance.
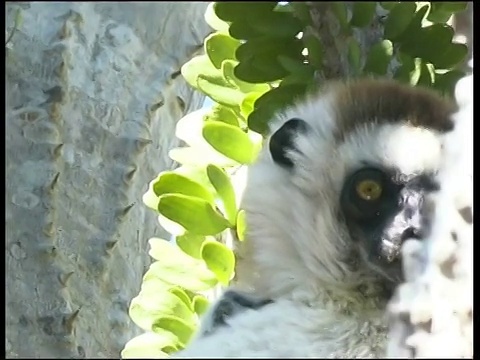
(369, 190)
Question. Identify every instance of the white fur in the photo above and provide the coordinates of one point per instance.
(291, 329)
(299, 254)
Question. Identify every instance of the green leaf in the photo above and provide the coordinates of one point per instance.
(241, 225)
(198, 174)
(362, 13)
(191, 244)
(399, 19)
(170, 226)
(379, 57)
(340, 10)
(260, 117)
(223, 114)
(445, 82)
(296, 66)
(213, 20)
(239, 11)
(150, 199)
(182, 295)
(243, 31)
(388, 5)
(407, 72)
(219, 259)
(452, 55)
(200, 156)
(259, 58)
(177, 268)
(248, 102)
(194, 214)
(261, 69)
(415, 27)
(220, 47)
(437, 14)
(278, 25)
(169, 182)
(315, 51)
(454, 6)
(230, 141)
(148, 346)
(283, 96)
(221, 183)
(284, 7)
(354, 54)
(266, 46)
(222, 93)
(302, 11)
(189, 127)
(182, 329)
(228, 69)
(199, 65)
(147, 307)
(427, 75)
(200, 304)
(433, 44)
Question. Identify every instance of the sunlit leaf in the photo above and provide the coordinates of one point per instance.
(222, 93)
(219, 259)
(213, 20)
(220, 47)
(148, 346)
(147, 307)
(228, 69)
(177, 268)
(191, 244)
(225, 191)
(169, 225)
(241, 225)
(223, 114)
(170, 182)
(200, 304)
(200, 156)
(150, 199)
(194, 214)
(248, 102)
(230, 141)
(199, 65)
(182, 329)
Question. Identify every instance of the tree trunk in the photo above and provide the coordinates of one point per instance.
(93, 96)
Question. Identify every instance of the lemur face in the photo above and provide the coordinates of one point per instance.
(341, 184)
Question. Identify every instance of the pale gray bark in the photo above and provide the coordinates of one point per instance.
(93, 96)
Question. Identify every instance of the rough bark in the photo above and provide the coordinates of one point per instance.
(93, 95)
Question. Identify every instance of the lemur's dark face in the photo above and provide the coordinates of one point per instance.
(382, 209)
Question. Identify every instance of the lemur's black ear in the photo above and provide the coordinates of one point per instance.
(283, 140)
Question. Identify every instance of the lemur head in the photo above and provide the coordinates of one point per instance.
(340, 185)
